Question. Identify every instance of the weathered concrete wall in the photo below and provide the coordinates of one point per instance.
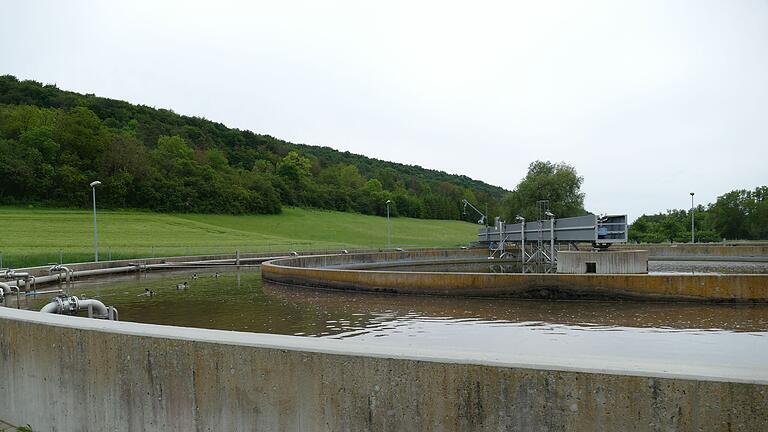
(85, 266)
(704, 249)
(420, 253)
(394, 258)
(317, 271)
(606, 262)
(62, 373)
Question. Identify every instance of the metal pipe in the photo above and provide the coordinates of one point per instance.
(522, 241)
(389, 242)
(95, 231)
(59, 268)
(97, 306)
(14, 275)
(483, 217)
(51, 307)
(22, 279)
(94, 272)
(693, 238)
(8, 289)
(112, 314)
(70, 305)
(551, 240)
(4, 289)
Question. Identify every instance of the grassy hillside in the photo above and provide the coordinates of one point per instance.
(39, 236)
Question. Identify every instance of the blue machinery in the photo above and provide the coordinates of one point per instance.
(537, 240)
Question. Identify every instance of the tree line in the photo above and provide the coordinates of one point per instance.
(53, 143)
(737, 215)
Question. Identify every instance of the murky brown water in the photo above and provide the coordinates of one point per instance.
(734, 335)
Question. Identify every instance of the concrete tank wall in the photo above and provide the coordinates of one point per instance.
(62, 373)
(328, 272)
(605, 262)
(86, 269)
(379, 258)
(702, 249)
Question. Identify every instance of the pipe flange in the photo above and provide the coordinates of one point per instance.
(67, 304)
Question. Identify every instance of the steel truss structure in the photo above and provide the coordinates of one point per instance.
(537, 241)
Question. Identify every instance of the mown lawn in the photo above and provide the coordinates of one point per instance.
(41, 236)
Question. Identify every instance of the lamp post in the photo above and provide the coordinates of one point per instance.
(693, 238)
(522, 241)
(95, 231)
(551, 217)
(388, 227)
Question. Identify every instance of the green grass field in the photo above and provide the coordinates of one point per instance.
(40, 236)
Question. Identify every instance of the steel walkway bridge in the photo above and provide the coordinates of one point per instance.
(537, 240)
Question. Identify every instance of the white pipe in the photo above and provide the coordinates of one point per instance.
(62, 305)
(14, 275)
(82, 273)
(552, 261)
(25, 281)
(5, 288)
(59, 268)
(98, 307)
(52, 307)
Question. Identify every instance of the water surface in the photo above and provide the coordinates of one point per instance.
(693, 334)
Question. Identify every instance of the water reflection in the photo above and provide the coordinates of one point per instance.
(506, 312)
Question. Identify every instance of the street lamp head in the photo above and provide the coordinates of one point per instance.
(96, 183)
(520, 218)
(692, 193)
(549, 214)
(389, 201)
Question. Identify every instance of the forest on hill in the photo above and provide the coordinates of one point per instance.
(53, 143)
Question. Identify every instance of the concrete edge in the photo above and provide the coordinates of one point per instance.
(364, 267)
(416, 263)
(362, 349)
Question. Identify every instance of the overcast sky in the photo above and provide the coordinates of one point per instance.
(649, 100)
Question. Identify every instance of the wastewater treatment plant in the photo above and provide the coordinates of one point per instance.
(302, 216)
(552, 324)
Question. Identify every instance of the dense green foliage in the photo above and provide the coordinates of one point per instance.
(53, 143)
(736, 215)
(557, 182)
